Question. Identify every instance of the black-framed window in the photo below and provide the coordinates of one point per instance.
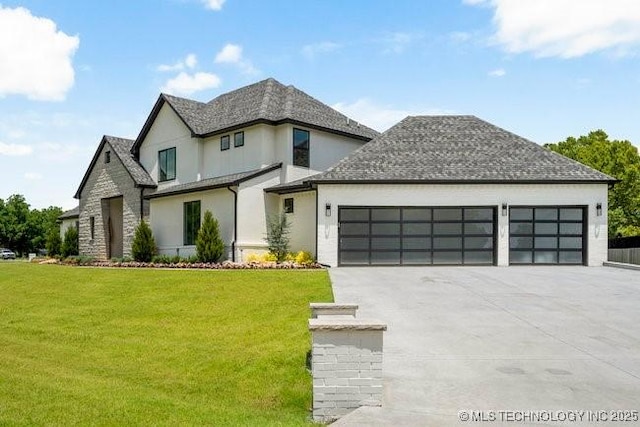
(191, 220)
(167, 164)
(225, 142)
(288, 205)
(107, 156)
(238, 139)
(547, 234)
(92, 226)
(301, 143)
(417, 235)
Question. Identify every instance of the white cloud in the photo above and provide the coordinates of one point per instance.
(35, 58)
(311, 50)
(459, 36)
(187, 84)
(232, 54)
(399, 41)
(213, 4)
(190, 62)
(380, 117)
(15, 149)
(32, 176)
(498, 72)
(565, 28)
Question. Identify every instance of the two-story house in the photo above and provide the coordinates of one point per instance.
(431, 190)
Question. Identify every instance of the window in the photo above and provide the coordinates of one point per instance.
(224, 142)
(92, 226)
(288, 205)
(167, 164)
(107, 156)
(301, 148)
(191, 221)
(238, 139)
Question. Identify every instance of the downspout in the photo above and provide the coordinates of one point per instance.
(317, 225)
(235, 224)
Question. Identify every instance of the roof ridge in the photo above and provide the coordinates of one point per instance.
(269, 85)
(288, 103)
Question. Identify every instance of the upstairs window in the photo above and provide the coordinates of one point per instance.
(288, 205)
(301, 148)
(107, 156)
(224, 142)
(167, 164)
(238, 139)
(191, 222)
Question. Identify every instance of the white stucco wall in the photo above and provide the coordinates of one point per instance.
(464, 195)
(166, 218)
(302, 220)
(169, 131)
(65, 224)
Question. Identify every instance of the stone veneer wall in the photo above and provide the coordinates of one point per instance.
(108, 180)
(346, 358)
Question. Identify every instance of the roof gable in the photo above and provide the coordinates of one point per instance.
(456, 149)
(122, 149)
(268, 101)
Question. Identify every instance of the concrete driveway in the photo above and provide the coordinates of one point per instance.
(501, 339)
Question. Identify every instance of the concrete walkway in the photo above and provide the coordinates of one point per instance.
(511, 339)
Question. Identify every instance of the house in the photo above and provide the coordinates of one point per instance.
(431, 190)
(68, 219)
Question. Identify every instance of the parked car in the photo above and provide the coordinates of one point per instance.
(7, 254)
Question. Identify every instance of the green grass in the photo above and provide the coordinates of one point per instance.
(87, 346)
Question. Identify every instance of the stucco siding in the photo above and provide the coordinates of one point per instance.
(65, 224)
(464, 195)
(303, 221)
(167, 222)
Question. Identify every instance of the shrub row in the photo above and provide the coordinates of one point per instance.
(181, 263)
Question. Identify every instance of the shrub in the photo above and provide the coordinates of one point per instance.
(278, 236)
(70, 243)
(269, 257)
(161, 259)
(209, 245)
(304, 258)
(54, 242)
(143, 247)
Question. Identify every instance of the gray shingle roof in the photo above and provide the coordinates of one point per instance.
(71, 213)
(122, 147)
(266, 101)
(455, 149)
(213, 183)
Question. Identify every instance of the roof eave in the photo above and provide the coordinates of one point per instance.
(458, 181)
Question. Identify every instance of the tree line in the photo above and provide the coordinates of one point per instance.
(23, 229)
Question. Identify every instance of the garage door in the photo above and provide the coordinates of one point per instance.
(547, 235)
(416, 235)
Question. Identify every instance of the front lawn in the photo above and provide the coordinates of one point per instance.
(90, 346)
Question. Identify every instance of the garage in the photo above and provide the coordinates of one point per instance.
(416, 235)
(547, 235)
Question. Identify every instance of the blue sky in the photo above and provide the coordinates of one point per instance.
(71, 70)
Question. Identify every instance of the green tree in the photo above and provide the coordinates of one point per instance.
(54, 242)
(15, 228)
(40, 223)
(143, 247)
(70, 242)
(618, 159)
(209, 244)
(278, 235)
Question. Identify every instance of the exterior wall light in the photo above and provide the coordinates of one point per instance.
(327, 209)
(504, 209)
(599, 209)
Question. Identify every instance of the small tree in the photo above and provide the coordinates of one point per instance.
(143, 247)
(278, 236)
(70, 242)
(53, 242)
(209, 245)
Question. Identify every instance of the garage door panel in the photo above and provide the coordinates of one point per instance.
(547, 235)
(416, 235)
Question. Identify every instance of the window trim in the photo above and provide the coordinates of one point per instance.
(288, 205)
(223, 146)
(235, 139)
(175, 165)
(307, 149)
(189, 236)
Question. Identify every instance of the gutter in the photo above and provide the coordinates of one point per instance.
(235, 223)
